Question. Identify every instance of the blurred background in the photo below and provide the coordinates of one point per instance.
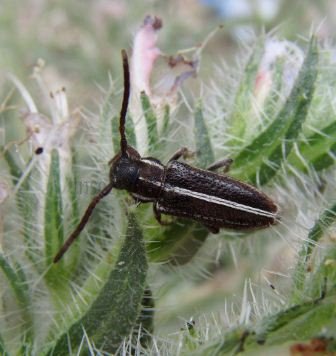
(81, 40)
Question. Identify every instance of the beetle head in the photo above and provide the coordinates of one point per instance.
(124, 169)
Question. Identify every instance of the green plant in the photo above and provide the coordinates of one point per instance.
(113, 288)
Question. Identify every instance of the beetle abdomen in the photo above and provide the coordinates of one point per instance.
(213, 199)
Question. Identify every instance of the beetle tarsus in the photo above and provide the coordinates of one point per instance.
(223, 163)
(158, 216)
(181, 152)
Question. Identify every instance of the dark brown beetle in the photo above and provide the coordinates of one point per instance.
(177, 189)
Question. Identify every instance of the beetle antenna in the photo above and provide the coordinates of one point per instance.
(124, 106)
(83, 222)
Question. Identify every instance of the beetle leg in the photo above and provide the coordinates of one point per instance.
(242, 340)
(212, 229)
(223, 163)
(182, 152)
(157, 215)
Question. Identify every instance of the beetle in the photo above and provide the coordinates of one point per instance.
(178, 189)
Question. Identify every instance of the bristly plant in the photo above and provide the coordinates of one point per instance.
(109, 294)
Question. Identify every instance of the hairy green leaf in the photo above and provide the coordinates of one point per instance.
(151, 121)
(145, 321)
(166, 121)
(325, 160)
(53, 227)
(24, 200)
(261, 159)
(19, 286)
(317, 150)
(115, 311)
(3, 348)
(205, 155)
(327, 218)
(242, 106)
(16, 281)
(14, 168)
(178, 242)
(300, 322)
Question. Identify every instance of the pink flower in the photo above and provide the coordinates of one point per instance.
(153, 72)
(145, 53)
(275, 51)
(157, 75)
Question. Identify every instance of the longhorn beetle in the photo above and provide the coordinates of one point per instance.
(178, 189)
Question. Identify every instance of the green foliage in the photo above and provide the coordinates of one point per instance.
(114, 312)
(238, 121)
(301, 322)
(317, 150)
(261, 159)
(53, 230)
(109, 292)
(151, 121)
(205, 155)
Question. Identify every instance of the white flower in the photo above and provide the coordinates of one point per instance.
(44, 133)
(157, 75)
(145, 53)
(148, 59)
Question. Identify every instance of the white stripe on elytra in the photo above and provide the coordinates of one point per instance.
(152, 163)
(221, 201)
(214, 199)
